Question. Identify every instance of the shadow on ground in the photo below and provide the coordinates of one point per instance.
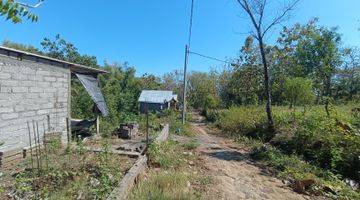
(227, 155)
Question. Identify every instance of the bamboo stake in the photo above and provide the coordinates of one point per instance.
(36, 145)
(45, 147)
(31, 153)
(38, 141)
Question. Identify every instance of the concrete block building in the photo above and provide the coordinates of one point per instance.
(35, 88)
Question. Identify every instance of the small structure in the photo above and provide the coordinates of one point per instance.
(38, 88)
(157, 100)
(128, 130)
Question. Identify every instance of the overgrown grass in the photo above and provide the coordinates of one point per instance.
(164, 186)
(329, 143)
(166, 155)
(70, 174)
(172, 174)
(291, 167)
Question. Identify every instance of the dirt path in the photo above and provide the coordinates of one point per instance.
(235, 177)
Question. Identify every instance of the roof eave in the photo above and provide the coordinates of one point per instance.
(76, 68)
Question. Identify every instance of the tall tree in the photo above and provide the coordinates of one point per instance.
(311, 51)
(255, 9)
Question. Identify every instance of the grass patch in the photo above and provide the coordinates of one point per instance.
(165, 186)
(191, 145)
(166, 155)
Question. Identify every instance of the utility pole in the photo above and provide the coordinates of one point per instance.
(147, 123)
(185, 84)
(187, 51)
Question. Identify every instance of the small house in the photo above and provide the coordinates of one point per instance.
(157, 100)
(37, 89)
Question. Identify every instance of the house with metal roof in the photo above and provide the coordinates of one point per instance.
(36, 89)
(157, 100)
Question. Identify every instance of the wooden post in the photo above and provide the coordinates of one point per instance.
(48, 122)
(68, 130)
(98, 124)
(147, 123)
(98, 112)
(184, 84)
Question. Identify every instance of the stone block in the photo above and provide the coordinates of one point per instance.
(9, 116)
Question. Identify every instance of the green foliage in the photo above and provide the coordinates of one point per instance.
(248, 121)
(298, 91)
(202, 90)
(15, 12)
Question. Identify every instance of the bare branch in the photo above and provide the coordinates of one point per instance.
(245, 5)
(262, 10)
(279, 18)
(31, 6)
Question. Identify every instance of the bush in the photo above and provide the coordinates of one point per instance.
(298, 91)
(248, 121)
(329, 142)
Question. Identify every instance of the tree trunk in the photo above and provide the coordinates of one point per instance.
(267, 84)
(328, 86)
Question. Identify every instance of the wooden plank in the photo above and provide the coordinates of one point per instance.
(17, 156)
(7, 153)
(13, 162)
(124, 187)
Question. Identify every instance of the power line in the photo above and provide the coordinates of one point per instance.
(210, 57)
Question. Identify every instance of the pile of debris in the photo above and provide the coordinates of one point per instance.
(128, 130)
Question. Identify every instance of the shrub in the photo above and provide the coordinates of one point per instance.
(330, 142)
(298, 91)
(248, 121)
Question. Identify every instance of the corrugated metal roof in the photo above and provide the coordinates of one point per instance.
(156, 96)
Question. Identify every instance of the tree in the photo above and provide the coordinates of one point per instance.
(245, 83)
(298, 91)
(255, 9)
(15, 12)
(202, 90)
(347, 78)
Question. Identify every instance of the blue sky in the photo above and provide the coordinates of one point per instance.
(151, 35)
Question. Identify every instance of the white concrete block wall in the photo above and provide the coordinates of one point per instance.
(31, 91)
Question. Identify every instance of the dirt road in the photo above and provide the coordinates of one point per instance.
(235, 176)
